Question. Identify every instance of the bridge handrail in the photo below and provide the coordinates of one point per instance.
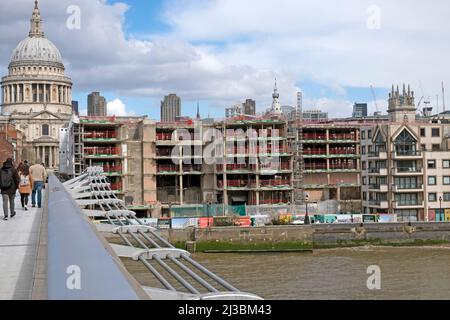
(81, 265)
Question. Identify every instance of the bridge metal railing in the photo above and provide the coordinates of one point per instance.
(171, 267)
(79, 267)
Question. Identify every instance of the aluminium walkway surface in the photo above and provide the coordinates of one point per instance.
(18, 247)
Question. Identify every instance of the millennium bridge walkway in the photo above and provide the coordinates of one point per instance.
(57, 253)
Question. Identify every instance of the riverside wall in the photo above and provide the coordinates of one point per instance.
(307, 238)
(304, 238)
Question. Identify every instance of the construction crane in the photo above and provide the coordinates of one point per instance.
(375, 99)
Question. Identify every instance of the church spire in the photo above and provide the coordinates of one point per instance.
(36, 22)
(276, 105)
(198, 110)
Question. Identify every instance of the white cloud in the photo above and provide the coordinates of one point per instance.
(118, 108)
(326, 42)
(240, 46)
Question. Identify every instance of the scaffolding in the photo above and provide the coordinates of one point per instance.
(299, 194)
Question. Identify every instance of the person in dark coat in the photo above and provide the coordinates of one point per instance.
(9, 183)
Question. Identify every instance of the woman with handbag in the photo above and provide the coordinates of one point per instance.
(25, 186)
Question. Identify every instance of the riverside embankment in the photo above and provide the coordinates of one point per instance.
(305, 238)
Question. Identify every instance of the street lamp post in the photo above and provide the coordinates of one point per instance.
(306, 215)
(440, 209)
(208, 208)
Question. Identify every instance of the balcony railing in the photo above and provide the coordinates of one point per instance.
(411, 203)
(275, 183)
(170, 136)
(100, 135)
(403, 153)
(258, 150)
(418, 186)
(274, 166)
(383, 204)
(342, 151)
(234, 184)
(343, 167)
(376, 154)
(233, 167)
(314, 136)
(102, 151)
(112, 169)
(408, 170)
(343, 136)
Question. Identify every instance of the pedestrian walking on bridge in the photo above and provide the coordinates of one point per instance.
(9, 183)
(38, 176)
(25, 184)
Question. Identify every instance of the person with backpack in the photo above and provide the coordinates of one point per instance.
(26, 182)
(39, 176)
(9, 182)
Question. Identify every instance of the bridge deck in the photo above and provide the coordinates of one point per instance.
(18, 246)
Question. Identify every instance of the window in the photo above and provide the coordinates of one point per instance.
(446, 164)
(446, 181)
(431, 164)
(363, 150)
(446, 196)
(363, 135)
(45, 130)
(432, 180)
(404, 183)
(435, 132)
(369, 134)
(369, 149)
(405, 144)
(423, 132)
(364, 181)
(432, 197)
(364, 165)
(364, 196)
(423, 147)
(436, 147)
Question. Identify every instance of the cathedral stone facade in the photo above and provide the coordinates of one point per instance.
(37, 95)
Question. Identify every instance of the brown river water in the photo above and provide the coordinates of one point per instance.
(406, 273)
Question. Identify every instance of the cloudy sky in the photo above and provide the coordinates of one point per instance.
(220, 52)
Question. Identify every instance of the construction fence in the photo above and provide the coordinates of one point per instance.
(221, 210)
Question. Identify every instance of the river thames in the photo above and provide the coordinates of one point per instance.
(406, 273)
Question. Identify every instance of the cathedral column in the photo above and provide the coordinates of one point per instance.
(50, 157)
(43, 154)
(57, 156)
(13, 92)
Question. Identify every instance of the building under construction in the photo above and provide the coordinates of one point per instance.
(255, 166)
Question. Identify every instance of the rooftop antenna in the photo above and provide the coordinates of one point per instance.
(437, 102)
(443, 96)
